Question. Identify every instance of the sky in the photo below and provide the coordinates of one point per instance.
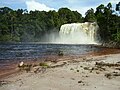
(77, 5)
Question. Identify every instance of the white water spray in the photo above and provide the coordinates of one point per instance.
(78, 33)
(74, 33)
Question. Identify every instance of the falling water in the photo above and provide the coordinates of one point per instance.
(79, 33)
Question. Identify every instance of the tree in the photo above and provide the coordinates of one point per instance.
(66, 15)
(19, 25)
(118, 7)
(78, 17)
(90, 16)
(101, 15)
(5, 10)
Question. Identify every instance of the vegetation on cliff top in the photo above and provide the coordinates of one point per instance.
(21, 25)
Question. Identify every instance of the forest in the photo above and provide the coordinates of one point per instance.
(23, 26)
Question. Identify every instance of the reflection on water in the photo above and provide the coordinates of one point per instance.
(32, 50)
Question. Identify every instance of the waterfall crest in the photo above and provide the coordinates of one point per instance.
(79, 33)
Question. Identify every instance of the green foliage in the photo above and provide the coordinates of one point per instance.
(108, 22)
(43, 64)
(90, 16)
(5, 38)
(116, 37)
(19, 25)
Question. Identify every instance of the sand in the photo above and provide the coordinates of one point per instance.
(75, 74)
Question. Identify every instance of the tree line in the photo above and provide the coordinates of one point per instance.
(21, 25)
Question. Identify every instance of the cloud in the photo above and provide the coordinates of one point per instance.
(114, 1)
(33, 5)
(80, 5)
(82, 10)
(83, 5)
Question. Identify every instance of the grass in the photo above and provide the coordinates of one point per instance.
(43, 64)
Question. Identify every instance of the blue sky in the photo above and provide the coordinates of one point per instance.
(80, 5)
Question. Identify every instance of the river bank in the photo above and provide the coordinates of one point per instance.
(83, 73)
(111, 44)
(8, 67)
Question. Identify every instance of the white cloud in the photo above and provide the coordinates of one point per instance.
(82, 10)
(114, 1)
(33, 5)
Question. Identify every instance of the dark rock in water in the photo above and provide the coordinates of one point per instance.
(60, 53)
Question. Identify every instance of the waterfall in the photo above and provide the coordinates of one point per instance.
(79, 33)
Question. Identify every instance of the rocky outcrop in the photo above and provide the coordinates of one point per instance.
(111, 44)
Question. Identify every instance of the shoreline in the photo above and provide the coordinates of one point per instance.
(85, 73)
(13, 68)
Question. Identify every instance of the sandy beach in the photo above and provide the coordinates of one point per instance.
(85, 73)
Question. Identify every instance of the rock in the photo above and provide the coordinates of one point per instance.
(80, 81)
(21, 64)
(118, 62)
(39, 69)
(84, 58)
(60, 53)
(36, 69)
(77, 70)
(71, 69)
(86, 68)
(81, 66)
(4, 82)
(116, 74)
(73, 78)
(108, 75)
(111, 44)
(86, 76)
(117, 68)
(97, 72)
(107, 64)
